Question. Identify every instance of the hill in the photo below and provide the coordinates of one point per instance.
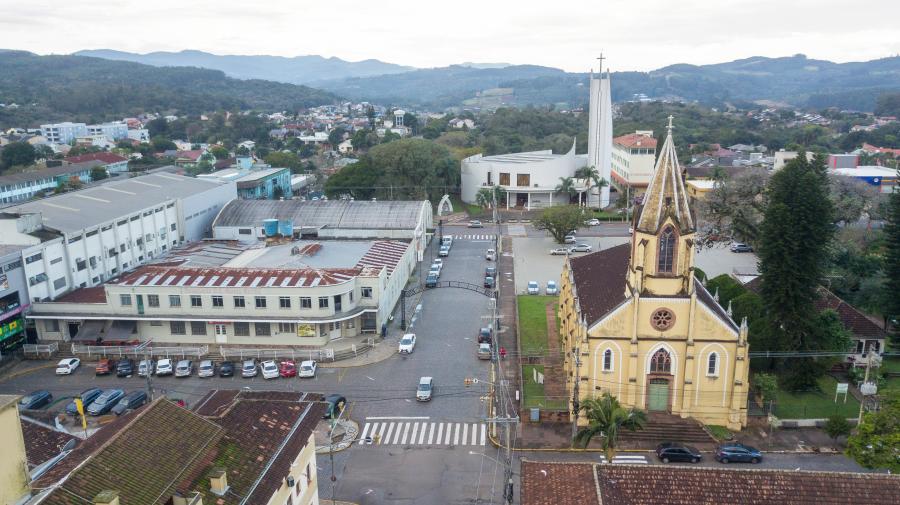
(51, 88)
(296, 70)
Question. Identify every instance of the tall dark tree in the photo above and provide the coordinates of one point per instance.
(17, 153)
(794, 236)
(892, 258)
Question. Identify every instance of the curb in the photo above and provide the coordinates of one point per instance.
(26, 372)
(336, 364)
(338, 447)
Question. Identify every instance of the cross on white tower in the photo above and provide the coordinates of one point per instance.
(671, 117)
(601, 62)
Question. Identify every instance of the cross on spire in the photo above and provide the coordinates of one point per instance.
(601, 58)
(669, 127)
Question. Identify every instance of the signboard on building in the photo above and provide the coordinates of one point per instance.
(4, 282)
(306, 330)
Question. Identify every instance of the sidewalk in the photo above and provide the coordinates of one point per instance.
(24, 366)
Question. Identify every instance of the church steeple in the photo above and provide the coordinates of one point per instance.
(665, 195)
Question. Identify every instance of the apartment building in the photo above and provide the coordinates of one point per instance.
(13, 298)
(63, 133)
(111, 131)
(22, 186)
(633, 158)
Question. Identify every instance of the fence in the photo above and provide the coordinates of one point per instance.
(38, 350)
(298, 354)
(139, 350)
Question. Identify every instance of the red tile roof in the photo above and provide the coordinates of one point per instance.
(105, 157)
(876, 150)
(96, 294)
(635, 140)
(384, 254)
(190, 155)
(600, 280)
(42, 442)
(545, 483)
(229, 277)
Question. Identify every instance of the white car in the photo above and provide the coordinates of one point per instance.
(534, 288)
(592, 222)
(307, 369)
(407, 343)
(569, 239)
(560, 251)
(67, 366)
(206, 369)
(438, 261)
(444, 251)
(551, 288)
(490, 255)
(269, 369)
(580, 248)
(164, 367)
(436, 267)
(184, 368)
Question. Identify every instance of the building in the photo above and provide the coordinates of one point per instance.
(13, 298)
(782, 157)
(274, 292)
(253, 448)
(633, 156)
(22, 186)
(113, 163)
(81, 238)
(600, 131)
(650, 334)
(64, 133)
(139, 134)
(189, 159)
(698, 189)
(836, 161)
(110, 131)
(527, 180)
(882, 178)
(346, 219)
(258, 183)
(13, 465)
(551, 483)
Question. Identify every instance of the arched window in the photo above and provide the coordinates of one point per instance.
(666, 257)
(607, 360)
(712, 365)
(661, 362)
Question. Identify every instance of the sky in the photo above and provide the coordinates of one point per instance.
(567, 34)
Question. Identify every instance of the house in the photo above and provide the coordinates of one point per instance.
(188, 159)
(345, 147)
(869, 148)
(247, 144)
(113, 163)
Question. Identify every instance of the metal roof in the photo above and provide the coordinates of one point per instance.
(324, 214)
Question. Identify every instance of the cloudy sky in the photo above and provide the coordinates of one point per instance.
(568, 34)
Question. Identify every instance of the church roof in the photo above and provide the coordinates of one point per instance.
(665, 195)
(600, 280)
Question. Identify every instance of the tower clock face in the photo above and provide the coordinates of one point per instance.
(662, 319)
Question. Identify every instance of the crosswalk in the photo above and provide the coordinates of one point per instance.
(473, 236)
(424, 433)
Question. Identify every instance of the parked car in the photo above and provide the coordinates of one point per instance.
(206, 369)
(146, 366)
(485, 335)
(490, 255)
(130, 401)
(269, 369)
(738, 247)
(287, 368)
(569, 239)
(248, 369)
(475, 224)
(534, 288)
(551, 288)
(125, 368)
(438, 261)
(407, 344)
(592, 222)
(307, 369)
(444, 251)
(425, 390)
(104, 367)
(581, 247)
(484, 351)
(87, 397)
(674, 451)
(435, 270)
(226, 369)
(67, 366)
(490, 271)
(184, 368)
(336, 404)
(164, 367)
(447, 241)
(736, 452)
(35, 400)
(431, 280)
(560, 251)
(489, 281)
(105, 402)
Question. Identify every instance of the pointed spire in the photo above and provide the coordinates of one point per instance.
(716, 296)
(729, 309)
(666, 195)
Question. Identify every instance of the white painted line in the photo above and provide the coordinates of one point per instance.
(431, 434)
(449, 430)
(397, 418)
(405, 433)
(474, 434)
(422, 433)
(465, 433)
(440, 432)
(387, 436)
(396, 439)
(412, 436)
(371, 379)
(483, 433)
(365, 432)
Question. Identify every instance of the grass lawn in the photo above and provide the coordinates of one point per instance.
(470, 209)
(534, 392)
(720, 432)
(891, 365)
(815, 405)
(533, 322)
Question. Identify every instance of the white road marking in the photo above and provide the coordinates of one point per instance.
(474, 434)
(483, 431)
(412, 436)
(387, 436)
(397, 433)
(456, 435)
(371, 379)
(431, 433)
(366, 431)
(398, 418)
(449, 433)
(465, 433)
(405, 433)
(440, 432)
(422, 433)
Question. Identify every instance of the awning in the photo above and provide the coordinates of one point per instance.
(89, 331)
(120, 330)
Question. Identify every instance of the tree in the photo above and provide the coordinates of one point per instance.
(795, 233)
(336, 136)
(734, 209)
(559, 220)
(567, 185)
(219, 152)
(592, 178)
(43, 152)
(606, 417)
(161, 144)
(484, 198)
(767, 386)
(17, 153)
(357, 180)
(836, 427)
(98, 174)
(891, 285)
(281, 159)
(876, 443)
(851, 198)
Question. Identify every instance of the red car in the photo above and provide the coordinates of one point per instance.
(105, 366)
(287, 369)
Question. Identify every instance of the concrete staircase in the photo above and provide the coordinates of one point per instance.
(668, 428)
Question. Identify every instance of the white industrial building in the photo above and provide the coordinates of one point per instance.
(82, 238)
(63, 133)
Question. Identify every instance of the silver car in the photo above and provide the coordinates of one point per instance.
(184, 368)
(249, 369)
(425, 389)
(206, 369)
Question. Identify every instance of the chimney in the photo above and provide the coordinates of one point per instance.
(107, 497)
(194, 498)
(218, 481)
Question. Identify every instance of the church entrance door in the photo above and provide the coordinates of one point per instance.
(659, 395)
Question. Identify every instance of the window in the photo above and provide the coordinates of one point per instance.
(661, 362)
(52, 325)
(174, 301)
(80, 264)
(323, 330)
(59, 283)
(198, 328)
(196, 301)
(712, 365)
(666, 256)
(244, 231)
(504, 178)
(662, 319)
(263, 329)
(155, 323)
(260, 302)
(607, 360)
(217, 301)
(173, 227)
(351, 323)
(323, 302)
(55, 261)
(176, 327)
(305, 302)
(366, 292)
(284, 302)
(153, 300)
(239, 302)
(125, 300)
(31, 259)
(286, 328)
(241, 329)
(523, 180)
(350, 294)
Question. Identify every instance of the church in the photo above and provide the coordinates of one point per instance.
(637, 324)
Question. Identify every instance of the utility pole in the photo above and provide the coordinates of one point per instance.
(149, 371)
(441, 230)
(862, 402)
(575, 398)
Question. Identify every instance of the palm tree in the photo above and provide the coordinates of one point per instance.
(567, 185)
(484, 198)
(592, 178)
(605, 418)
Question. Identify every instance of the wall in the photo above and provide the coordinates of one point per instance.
(197, 212)
(13, 465)
(543, 174)
(305, 474)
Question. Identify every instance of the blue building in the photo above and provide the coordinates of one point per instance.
(265, 184)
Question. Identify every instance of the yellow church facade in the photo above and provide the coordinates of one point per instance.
(636, 324)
